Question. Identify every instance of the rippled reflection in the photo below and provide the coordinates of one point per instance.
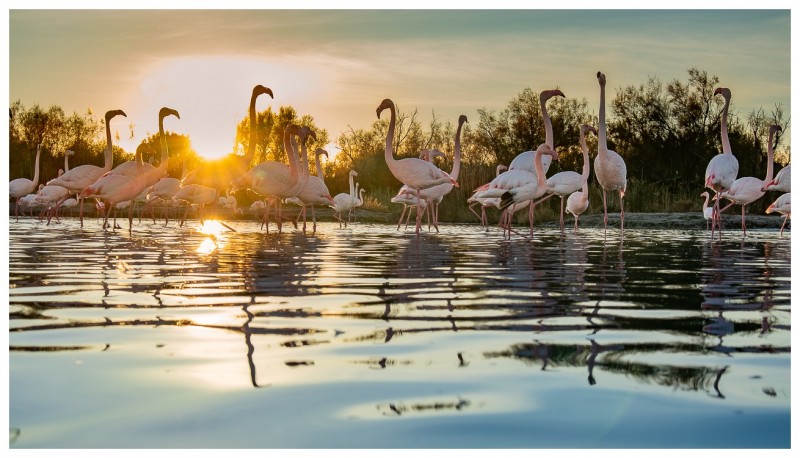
(235, 307)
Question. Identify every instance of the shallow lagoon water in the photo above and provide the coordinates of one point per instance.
(367, 337)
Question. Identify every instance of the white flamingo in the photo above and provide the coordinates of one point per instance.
(315, 191)
(524, 160)
(195, 195)
(747, 190)
(49, 197)
(782, 205)
(409, 201)
(578, 201)
(708, 212)
(782, 181)
(344, 202)
(22, 186)
(80, 177)
(722, 169)
(531, 188)
(609, 167)
(416, 173)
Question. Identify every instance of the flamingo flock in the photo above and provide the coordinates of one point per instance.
(522, 184)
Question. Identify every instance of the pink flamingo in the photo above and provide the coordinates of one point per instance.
(609, 167)
(485, 202)
(435, 194)
(524, 160)
(316, 191)
(532, 187)
(747, 190)
(782, 181)
(276, 179)
(21, 187)
(578, 201)
(722, 169)
(782, 205)
(112, 189)
(407, 196)
(195, 195)
(416, 173)
(81, 177)
(150, 173)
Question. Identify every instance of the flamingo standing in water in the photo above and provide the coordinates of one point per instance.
(609, 167)
(530, 188)
(345, 201)
(722, 169)
(708, 212)
(782, 205)
(21, 187)
(416, 173)
(359, 201)
(747, 190)
(112, 189)
(150, 173)
(485, 202)
(578, 201)
(316, 191)
(80, 177)
(276, 179)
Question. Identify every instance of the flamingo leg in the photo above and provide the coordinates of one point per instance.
(744, 226)
(408, 216)
(400, 221)
(605, 211)
(785, 218)
(621, 212)
(474, 212)
(561, 215)
(419, 213)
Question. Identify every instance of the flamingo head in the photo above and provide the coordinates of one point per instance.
(259, 89)
(165, 111)
(353, 173)
(601, 78)
(705, 194)
(544, 148)
(775, 128)
(724, 91)
(770, 209)
(321, 151)
(462, 119)
(69, 152)
(112, 113)
(387, 103)
(306, 132)
(587, 128)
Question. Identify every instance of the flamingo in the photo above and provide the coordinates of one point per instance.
(79, 178)
(26, 201)
(436, 193)
(48, 197)
(22, 186)
(407, 195)
(722, 169)
(150, 173)
(782, 181)
(578, 201)
(485, 202)
(344, 202)
(164, 189)
(409, 201)
(315, 191)
(359, 200)
(609, 167)
(747, 190)
(219, 174)
(195, 195)
(112, 189)
(708, 212)
(532, 187)
(782, 205)
(276, 179)
(524, 160)
(416, 173)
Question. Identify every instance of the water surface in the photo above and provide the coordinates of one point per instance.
(367, 337)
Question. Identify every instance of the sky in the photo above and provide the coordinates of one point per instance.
(338, 64)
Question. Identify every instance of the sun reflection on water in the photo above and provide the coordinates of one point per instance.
(214, 230)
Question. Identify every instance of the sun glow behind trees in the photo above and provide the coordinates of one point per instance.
(212, 94)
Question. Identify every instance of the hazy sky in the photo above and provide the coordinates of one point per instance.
(337, 65)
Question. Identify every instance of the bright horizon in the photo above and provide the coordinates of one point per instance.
(337, 65)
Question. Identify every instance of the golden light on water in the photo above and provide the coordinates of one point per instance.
(215, 240)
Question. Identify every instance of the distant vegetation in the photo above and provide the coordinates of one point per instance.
(667, 133)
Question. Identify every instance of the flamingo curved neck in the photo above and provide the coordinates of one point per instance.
(319, 168)
(109, 155)
(162, 166)
(352, 186)
(390, 137)
(726, 144)
(457, 154)
(548, 124)
(36, 166)
(251, 147)
(66, 162)
(770, 155)
(585, 151)
(602, 147)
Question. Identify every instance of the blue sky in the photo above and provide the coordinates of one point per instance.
(337, 65)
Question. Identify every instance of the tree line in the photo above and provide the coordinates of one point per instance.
(666, 132)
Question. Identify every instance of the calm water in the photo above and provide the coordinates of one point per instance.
(367, 337)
